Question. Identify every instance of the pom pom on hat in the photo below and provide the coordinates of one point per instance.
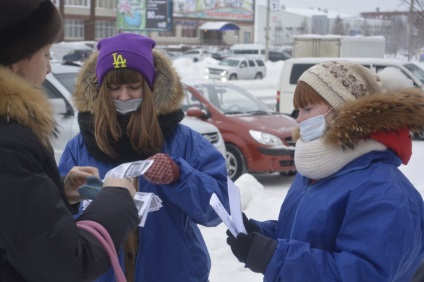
(341, 81)
(26, 26)
(126, 50)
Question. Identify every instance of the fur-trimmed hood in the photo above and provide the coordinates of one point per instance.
(167, 89)
(400, 107)
(29, 106)
(382, 112)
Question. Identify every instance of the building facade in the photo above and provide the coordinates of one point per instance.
(227, 22)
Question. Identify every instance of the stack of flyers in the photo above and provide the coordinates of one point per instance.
(145, 203)
(234, 222)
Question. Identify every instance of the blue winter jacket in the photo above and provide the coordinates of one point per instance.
(171, 247)
(365, 223)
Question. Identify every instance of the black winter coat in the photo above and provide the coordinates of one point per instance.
(39, 240)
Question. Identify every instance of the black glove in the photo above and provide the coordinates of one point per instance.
(250, 226)
(241, 245)
(254, 249)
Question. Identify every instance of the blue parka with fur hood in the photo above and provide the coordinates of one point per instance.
(170, 246)
(364, 221)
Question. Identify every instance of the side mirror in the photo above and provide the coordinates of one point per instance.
(197, 113)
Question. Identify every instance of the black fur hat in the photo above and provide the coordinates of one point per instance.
(25, 27)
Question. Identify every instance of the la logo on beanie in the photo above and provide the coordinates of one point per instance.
(119, 61)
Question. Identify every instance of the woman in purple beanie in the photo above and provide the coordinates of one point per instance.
(129, 100)
(39, 239)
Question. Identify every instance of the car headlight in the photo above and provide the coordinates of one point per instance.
(207, 70)
(265, 138)
(224, 72)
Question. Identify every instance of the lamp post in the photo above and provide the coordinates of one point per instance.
(267, 29)
(410, 22)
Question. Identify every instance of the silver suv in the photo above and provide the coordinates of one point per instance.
(232, 68)
(59, 86)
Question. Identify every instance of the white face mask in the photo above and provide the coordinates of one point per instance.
(313, 128)
(125, 107)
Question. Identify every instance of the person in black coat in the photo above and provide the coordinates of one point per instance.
(39, 239)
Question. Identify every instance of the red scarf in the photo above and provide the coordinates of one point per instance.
(397, 140)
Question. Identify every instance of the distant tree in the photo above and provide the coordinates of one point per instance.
(338, 27)
(398, 39)
(418, 6)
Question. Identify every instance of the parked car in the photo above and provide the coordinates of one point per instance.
(77, 56)
(293, 69)
(257, 139)
(59, 86)
(232, 68)
(196, 54)
(278, 55)
(221, 55)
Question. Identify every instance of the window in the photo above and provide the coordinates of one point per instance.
(83, 3)
(260, 63)
(74, 29)
(105, 29)
(251, 63)
(297, 70)
(190, 100)
(107, 4)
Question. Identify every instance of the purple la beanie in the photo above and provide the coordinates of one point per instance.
(126, 50)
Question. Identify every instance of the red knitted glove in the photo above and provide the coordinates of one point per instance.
(163, 170)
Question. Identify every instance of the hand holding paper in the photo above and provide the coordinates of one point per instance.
(235, 221)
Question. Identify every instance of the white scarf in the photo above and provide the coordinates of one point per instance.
(317, 160)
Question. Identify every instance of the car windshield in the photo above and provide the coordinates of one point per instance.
(233, 100)
(416, 71)
(67, 79)
(229, 62)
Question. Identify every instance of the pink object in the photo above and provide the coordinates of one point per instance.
(101, 234)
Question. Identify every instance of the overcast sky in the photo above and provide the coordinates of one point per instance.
(353, 7)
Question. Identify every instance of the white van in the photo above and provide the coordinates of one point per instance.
(248, 50)
(293, 69)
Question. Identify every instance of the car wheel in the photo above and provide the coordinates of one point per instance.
(258, 76)
(233, 77)
(235, 164)
(287, 173)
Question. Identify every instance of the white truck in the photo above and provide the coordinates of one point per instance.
(314, 45)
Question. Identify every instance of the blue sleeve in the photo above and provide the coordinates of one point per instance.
(366, 248)
(202, 172)
(68, 159)
(267, 228)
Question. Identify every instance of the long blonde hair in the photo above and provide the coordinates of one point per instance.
(143, 130)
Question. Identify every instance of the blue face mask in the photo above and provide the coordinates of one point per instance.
(313, 128)
(125, 107)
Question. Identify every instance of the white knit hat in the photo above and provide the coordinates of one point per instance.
(341, 81)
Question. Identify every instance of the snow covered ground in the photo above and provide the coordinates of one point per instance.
(262, 195)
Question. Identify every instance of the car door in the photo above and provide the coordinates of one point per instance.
(243, 72)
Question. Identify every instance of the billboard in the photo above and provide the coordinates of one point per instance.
(238, 10)
(137, 15)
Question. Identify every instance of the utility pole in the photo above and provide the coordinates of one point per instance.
(410, 23)
(267, 29)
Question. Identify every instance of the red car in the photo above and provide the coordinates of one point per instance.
(257, 138)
